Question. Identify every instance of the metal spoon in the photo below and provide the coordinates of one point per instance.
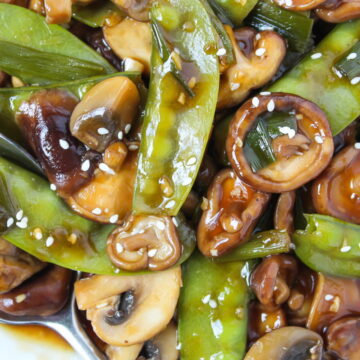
(66, 323)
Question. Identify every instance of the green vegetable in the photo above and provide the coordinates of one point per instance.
(329, 245)
(39, 53)
(260, 245)
(316, 80)
(349, 65)
(23, 190)
(213, 309)
(234, 10)
(293, 26)
(97, 13)
(176, 127)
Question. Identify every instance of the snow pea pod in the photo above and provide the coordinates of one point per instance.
(329, 245)
(213, 306)
(177, 126)
(315, 78)
(35, 219)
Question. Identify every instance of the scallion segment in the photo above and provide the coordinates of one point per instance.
(349, 65)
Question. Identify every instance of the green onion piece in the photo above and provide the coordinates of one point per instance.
(294, 26)
(223, 35)
(165, 54)
(349, 65)
(260, 245)
(220, 12)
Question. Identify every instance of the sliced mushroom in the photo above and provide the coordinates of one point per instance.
(337, 11)
(343, 338)
(271, 280)
(231, 211)
(287, 343)
(258, 56)
(145, 242)
(334, 298)
(124, 35)
(98, 117)
(16, 266)
(43, 295)
(58, 12)
(148, 310)
(136, 9)
(336, 191)
(123, 352)
(313, 144)
(299, 5)
(284, 217)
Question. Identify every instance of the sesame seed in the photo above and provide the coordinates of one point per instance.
(192, 82)
(213, 304)
(72, 239)
(170, 204)
(260, 52)
(221, 52)
(214, 252)
(299, 116)
(23, 223)
(103, 167)
(114, 218)
(85, 166)
(64, 144)
(97, 211)
(255, 101)
(204, 204)
(239, 142)
(133, 147)
(10, 221)
(351, 56)
(19, 215)
(175, 222)
(38, 235)
(178, 346)
(119, 248)
(127, 128)
(345, 249)
(102, 131)
(234, 86)
(265, 93)
(257, 37)
(355, 80)
(357, 146)
(338, 73)
(329, 297)
(120, 135)
(20, 298)
(287, 131)
(53, 187)
(271, 106)
(335, 305)
(49, 241)
(319, 139)
(316, 56)
(117, 271)
(206, 299)
(152, 252)
(191, 161)
(182, 98)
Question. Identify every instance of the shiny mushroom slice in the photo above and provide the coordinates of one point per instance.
(145, 242)
(124, 35)
(284, 217)
(299, 157)
(136, 9)
(334, 298)
(336, 191)
(271, 281)
(98, 118)
(123, 352)
(145, 308)
(337, 11)
(58, 12)
(287, 343)
(258, 56)
(299, 5)
(231, 211)
(343, 338)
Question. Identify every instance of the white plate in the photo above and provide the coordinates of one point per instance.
(33, 343)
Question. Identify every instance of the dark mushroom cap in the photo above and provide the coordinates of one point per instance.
(336, 191)
(289, 172)
(233, 209)
(337, 11)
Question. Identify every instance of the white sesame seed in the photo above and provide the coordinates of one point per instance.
(345, 249)
(287, 131)
(178, 346)
(85, 166)
(206, 299)
(64, 144)
(53, 187)
(23, 223)
(120, 135)
(133, 147)
(213, 304)
(114, 218)
(10, 221)
(234, 86)
(260, 52)
(170, 204)
(351, 56)
(357, 146)
(338, 73)
(271, 106)
(20, 298)
(19, 214)
(258, 37)
(103, 167)
(49, 241)
(316, 56)
(319, 139)
(329, 297)
(239, 142)
(291, 133)
(37, 234)
(102, 131)
(97, 211)
(265, 93)
(127, 128)
(214, 252)
(355, 80)
(119, 248)
(255, 101)
(191, 161)
(221, 52)
(175, 222)
(117, 271)
(152, 252)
